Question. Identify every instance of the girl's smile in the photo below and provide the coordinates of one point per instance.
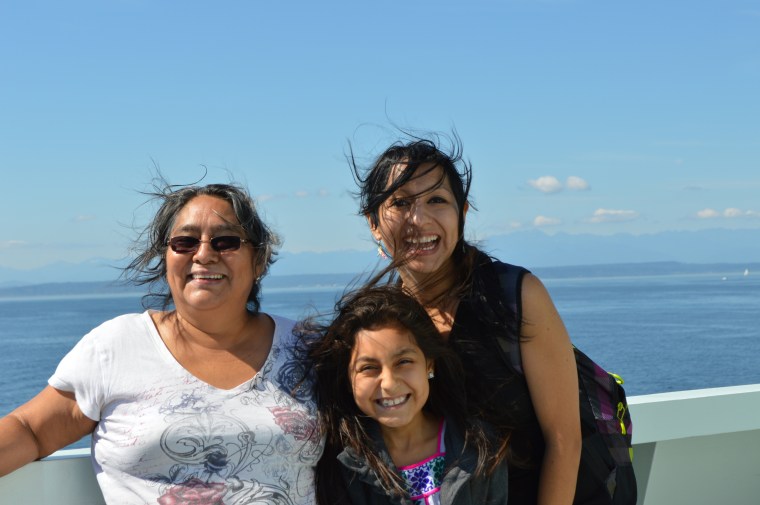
(389, 403)
(389, 377)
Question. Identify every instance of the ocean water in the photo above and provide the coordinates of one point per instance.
(661, 333)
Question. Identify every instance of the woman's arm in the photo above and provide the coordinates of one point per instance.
(551, 374)
(48, 422)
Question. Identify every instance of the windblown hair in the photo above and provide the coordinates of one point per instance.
(345, 425)
(412, 157)
(403, 162)
(149, 265)
(382, 179)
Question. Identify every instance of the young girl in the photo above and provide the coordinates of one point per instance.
(391, 399)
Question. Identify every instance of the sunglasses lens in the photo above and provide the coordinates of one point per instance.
(184, 244)
(222, 244)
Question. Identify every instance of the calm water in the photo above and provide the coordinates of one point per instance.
(664, 333)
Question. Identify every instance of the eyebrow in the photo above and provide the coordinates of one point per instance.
(215, 230)
(406, 193)
(401, 352)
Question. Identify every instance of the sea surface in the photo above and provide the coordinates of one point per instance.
(660, 333)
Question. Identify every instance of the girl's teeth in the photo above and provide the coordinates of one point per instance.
(393, 402)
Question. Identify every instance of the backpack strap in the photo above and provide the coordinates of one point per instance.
(510, 281)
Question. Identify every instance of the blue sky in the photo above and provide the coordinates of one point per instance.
(578, 116)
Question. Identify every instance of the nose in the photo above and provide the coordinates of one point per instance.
(417, 213)
(388, 380)
(205, 253)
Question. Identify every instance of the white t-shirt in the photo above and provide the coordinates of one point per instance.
(165, 437)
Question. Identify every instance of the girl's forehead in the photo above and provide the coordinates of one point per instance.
(389, 339)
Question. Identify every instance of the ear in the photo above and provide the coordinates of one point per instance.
(465, 209)
(373, 229)
(257, 266)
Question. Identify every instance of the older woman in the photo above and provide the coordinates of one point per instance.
(194, 403)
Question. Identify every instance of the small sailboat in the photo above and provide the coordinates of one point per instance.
(746, 272)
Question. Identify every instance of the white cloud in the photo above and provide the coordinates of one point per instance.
(550, 184)
(727, 213)
(576, 183)
(707, 213)
(323, 193)
(10, 244)
(613, 215)
(732, 212)
(541, 221)
(265, 198)
(83, 218)
(301, 194)
(546, 184)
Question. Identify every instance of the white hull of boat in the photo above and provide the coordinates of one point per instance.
(690, 447)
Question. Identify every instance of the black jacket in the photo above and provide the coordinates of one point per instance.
(459, 486)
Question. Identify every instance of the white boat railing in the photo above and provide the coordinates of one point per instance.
(690, 447)
(64, 478)
(698, 447)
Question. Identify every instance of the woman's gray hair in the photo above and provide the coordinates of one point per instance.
(149, 265)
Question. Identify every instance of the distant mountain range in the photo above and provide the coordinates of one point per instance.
(535, 249)
(667, 252)
(340, 281)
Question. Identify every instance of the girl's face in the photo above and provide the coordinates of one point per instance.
(389, 377)
(421, 221)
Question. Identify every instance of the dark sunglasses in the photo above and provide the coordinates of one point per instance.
(185, 245)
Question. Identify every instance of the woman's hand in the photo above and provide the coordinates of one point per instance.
(48, 422)
(550, 371)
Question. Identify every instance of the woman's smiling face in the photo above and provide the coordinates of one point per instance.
(207, 279)
(420, 221)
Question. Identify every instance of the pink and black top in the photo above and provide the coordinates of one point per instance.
(423, 479)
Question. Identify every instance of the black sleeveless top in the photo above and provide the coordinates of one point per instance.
(495, 391)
